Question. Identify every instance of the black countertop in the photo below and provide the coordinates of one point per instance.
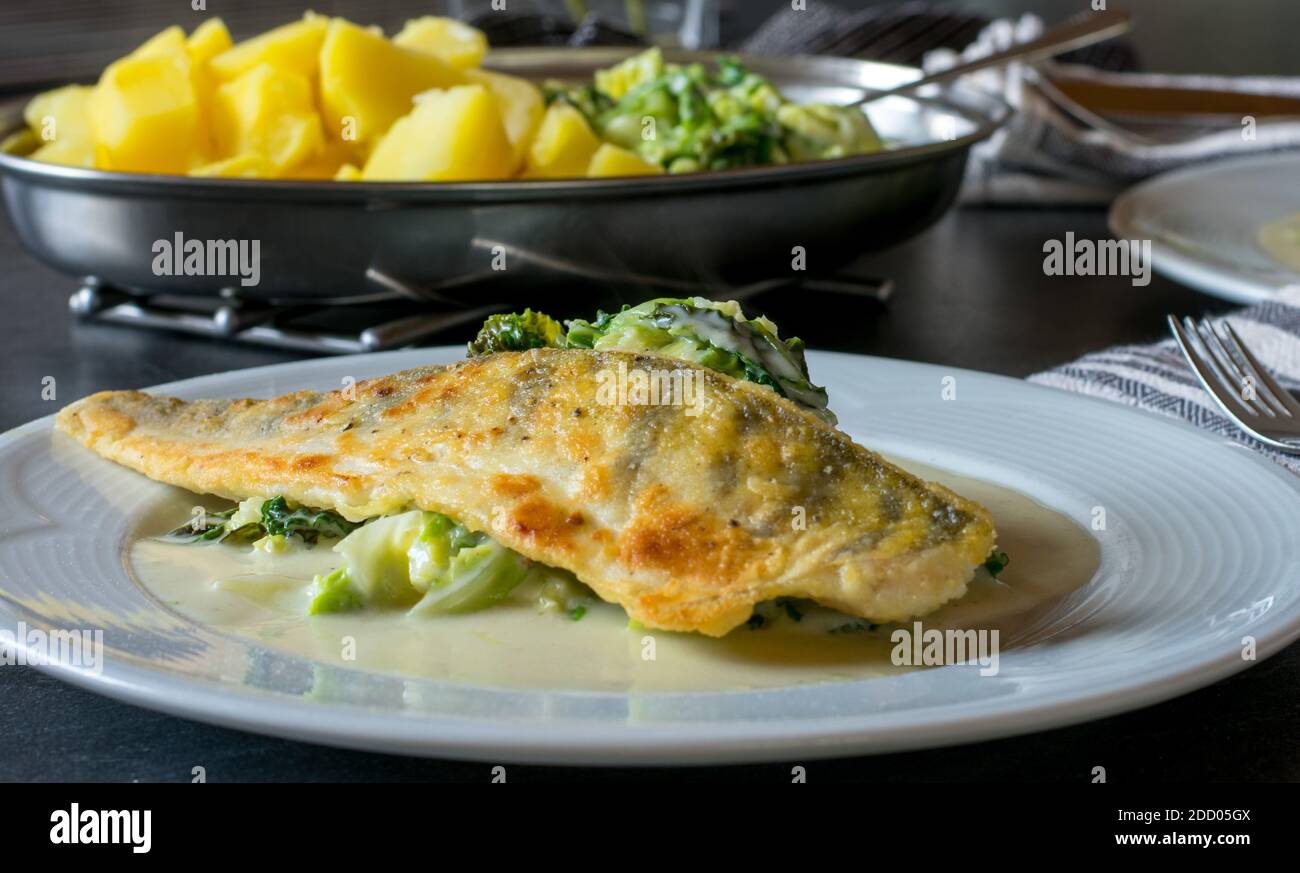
(970, 293)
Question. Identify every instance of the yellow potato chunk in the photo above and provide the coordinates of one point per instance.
(144, 113)
(250, 165)
(208, 40)
(456, 43)
(452, 135)
(564, 145)
(294, 47)
(269, 111)
(61, 115)
(73, 154)
(611, 160)
(165, 42)
(325, 164)
(522, 107)
(366, 82)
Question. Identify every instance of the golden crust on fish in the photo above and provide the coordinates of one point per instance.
(686, 520)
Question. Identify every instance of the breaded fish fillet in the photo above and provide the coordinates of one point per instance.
(686, 520)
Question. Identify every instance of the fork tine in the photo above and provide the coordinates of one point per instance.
(1281, 397)
(1234, 375)
(1210, 379)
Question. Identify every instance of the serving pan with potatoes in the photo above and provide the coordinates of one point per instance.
(421, 157)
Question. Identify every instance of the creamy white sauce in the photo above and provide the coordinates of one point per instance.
(1281, 239)
(264, 597)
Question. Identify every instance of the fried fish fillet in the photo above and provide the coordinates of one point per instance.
(687, 516)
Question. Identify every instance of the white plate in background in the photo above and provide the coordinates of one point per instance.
(1203, 222)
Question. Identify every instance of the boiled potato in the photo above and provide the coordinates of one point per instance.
(458, 44)
(318, 98)
(166, 42)
(348, 173)
(72, 154)
(268, 111)
(249, 165)
(564, 145)
(144, 113)
(452, 135)
(294, 47)
(325, 164)
(366, 82)
(611, 160)
(208, 40)
(61, 115)
(59, 127)
(522, 107)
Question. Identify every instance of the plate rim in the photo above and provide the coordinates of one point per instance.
(1217, 278)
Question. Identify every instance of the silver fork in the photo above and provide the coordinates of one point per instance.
(1239, 384)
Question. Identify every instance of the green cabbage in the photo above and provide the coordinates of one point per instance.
(515, 332)
(475, 578)
(713, 334)
(711, 119)
(818, 131)
(267, 523)
(421, 561)
(560, 591)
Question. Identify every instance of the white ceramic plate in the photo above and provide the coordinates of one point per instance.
(1203, 223)
(1199, 551)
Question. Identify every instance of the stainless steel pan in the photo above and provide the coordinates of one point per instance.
(345, 240)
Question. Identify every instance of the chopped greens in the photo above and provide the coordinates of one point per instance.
(780, 610)
(711, 334)
(515, 332)
(806, 616)
(687, 118)
(583, 334)
(278, 519)
(714, 335)
(256, 519)
(585, 98)
(204, 527)
(791, 608)
(856, 626)
(997, 562)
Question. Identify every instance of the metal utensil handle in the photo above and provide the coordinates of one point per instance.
(1089, 28)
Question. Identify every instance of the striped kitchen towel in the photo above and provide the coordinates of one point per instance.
(1155, 377)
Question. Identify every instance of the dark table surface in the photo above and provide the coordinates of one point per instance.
(970, 293)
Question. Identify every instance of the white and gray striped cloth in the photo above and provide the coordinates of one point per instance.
(1156, 378)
